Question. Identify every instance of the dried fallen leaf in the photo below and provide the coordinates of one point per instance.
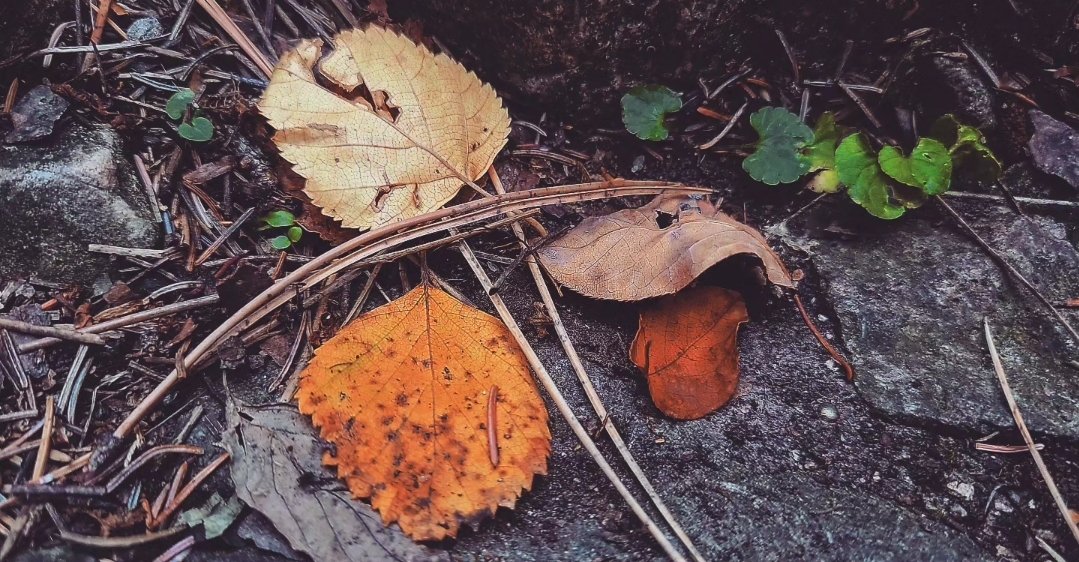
(687, 345)
(385, 129)
(312, 218)
(629, 255)
(276, 470)
(404, 394)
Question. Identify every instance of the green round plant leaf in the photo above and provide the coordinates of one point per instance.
(866, 184)
(946, 130)
(200, 129)
(929, 166)
(776, 161)
(294, 233)
(967, 146)
(774, 122)
(644, 109)
(897, 166)
(782, 135)
(278, 219)
(821, 152)
(280, 243)
(978, 161)
(177, 104)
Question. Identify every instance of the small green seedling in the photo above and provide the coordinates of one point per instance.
(645, 108)
(884, 184)
(782, 135)
(199, 128)
(286, 220)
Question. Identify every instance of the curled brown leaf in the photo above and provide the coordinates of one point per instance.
(653, 250)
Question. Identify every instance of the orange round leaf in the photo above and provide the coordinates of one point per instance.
(687, 345)
(404, 394)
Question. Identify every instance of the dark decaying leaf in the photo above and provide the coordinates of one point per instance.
(277, 470)
(970, 154)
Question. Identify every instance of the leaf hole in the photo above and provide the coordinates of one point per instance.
(665, 220)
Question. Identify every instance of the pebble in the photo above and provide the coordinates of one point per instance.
(962, 489)
(144, 28)
(829, 413)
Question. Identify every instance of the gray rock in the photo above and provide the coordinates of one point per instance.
(144, 28)
(59, 198)
(960, 89)
(765, 478)
(34, 116)
(62, 553)
(911, 295)
(1055, 147)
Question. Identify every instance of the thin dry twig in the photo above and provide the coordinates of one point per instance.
(370, 243)
(727, 129)
(827, 345)
(188, 489)
(222, 18)
(46, 439)
(849, 91)
(50, 331)
(1004, 449)
(1029, 201)
(1010, 397)
(128, 320)
(563, 407)
(590, 390)
(790, 56)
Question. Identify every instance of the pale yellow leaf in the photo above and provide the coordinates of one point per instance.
(381, 128)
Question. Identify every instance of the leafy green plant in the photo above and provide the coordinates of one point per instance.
(866, 183)
(645, 109)
(286, 220)
(885, 184)
(198, 128)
